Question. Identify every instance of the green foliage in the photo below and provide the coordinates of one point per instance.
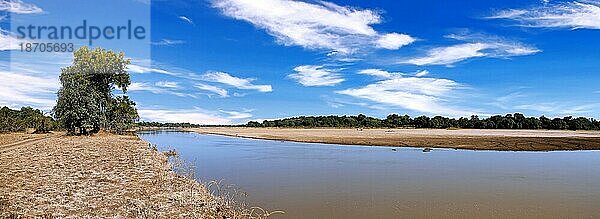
(122, 113)
(509, 121)
(27, 117)
(86, 101)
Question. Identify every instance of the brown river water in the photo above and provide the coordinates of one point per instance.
(309, 180)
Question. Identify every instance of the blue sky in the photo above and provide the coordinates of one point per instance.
(230, 61)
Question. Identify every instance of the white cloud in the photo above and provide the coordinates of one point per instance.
(168, 42)
(381, 73)
(511, 97)
(167, 84)
(194, 116)
(450, 54)
(540, 107)
(237, 115)
(157, 88)
(220, 91)
(138, 86)
(476, 46)
(574, 15)
(240, 83)
(313, 75)
(31, 79)
(394, 41)
(560, 109)
(186, 19)
(507, 14)
(19, 7)
(196, 79)
(521, 101)
(9, 42)
(427, 95)
(422, 73)
(22, 90)
(322, 25)
(142, 69)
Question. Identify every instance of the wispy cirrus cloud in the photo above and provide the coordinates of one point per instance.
(186, 19)
(426, 95)
(237, 114)
(9, 42)
(319, 25)
(197, 81)
(19, 89)
(214, 89)
(382, 74)
(31, 79)
(143, 69)
(161, 87)
(194, 116)
(476, 45)
(167, 84)
(167, 42)
(240, 83)
(560, 109)
(521, 100)
(573, 15)
(422, 73)
(315, 75)
(19, 7)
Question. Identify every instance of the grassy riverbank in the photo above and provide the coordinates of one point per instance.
(99, 176)
(472, 139)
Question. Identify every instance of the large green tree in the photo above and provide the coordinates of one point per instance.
(86, 102)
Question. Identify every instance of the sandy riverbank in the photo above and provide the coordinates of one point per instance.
(473, 139)
(101, 176)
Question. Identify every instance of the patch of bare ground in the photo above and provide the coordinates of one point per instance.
(101, 176)
(9, 138)
(472, 139)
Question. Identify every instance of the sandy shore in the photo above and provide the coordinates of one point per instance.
(473, 139)
(96, 177)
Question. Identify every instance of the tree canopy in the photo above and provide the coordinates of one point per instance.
(21, 120)
(86, 102)
(508, 121)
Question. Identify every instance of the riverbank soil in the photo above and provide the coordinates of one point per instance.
(471, 139)
(54, 175)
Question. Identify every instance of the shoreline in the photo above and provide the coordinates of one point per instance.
(466, 139)
(104, 175)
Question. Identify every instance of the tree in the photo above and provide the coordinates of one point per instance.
(421, 122)
(122, 113)
(86, 101)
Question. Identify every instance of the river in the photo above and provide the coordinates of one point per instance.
(309, 180)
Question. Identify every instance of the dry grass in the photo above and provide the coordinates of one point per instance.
(103, 176)
(7, 138)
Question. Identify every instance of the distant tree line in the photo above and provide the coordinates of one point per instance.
(508, 121)
(178, 125)
(26, 118)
